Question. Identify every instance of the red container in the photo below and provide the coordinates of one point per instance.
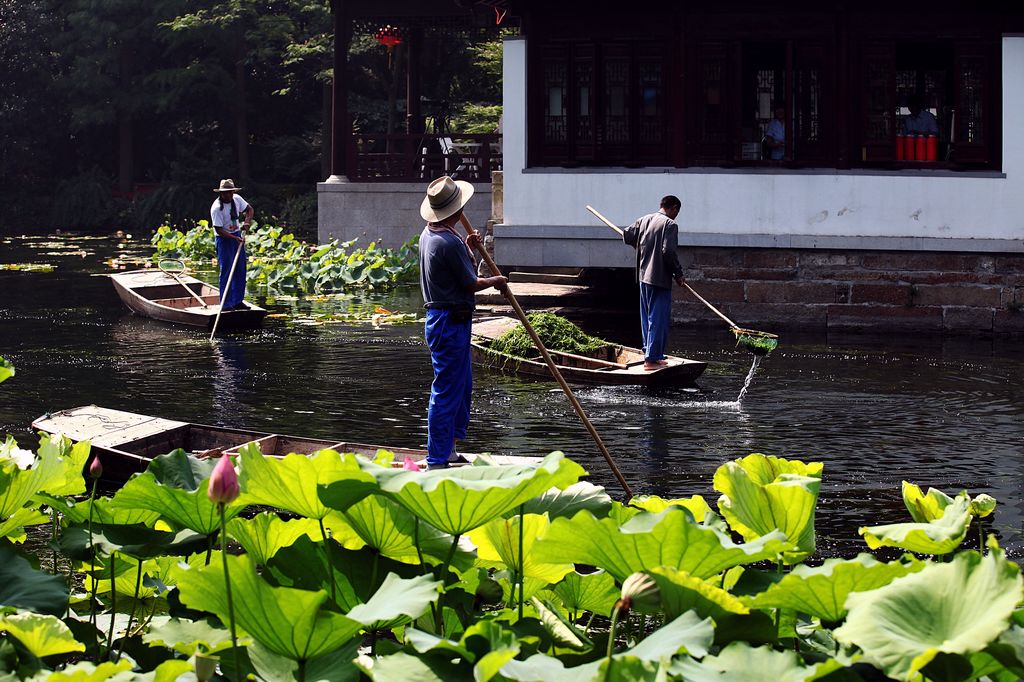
(908, 148)
(920, 148)
(900, 141)
(932, 148)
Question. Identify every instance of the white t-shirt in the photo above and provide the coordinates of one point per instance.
(220, 214)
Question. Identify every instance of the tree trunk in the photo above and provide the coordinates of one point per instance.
(241, 119)
(125, 140)
(393, 93)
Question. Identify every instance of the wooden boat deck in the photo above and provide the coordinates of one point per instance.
(156, 294)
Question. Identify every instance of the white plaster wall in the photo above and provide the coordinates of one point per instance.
(827, 204)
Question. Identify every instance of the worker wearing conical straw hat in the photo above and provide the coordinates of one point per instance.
(227, 208)
(449, 283)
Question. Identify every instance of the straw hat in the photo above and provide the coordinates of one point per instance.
(227, 185)
(444, 198)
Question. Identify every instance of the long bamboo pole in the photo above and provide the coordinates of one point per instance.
(580, 412)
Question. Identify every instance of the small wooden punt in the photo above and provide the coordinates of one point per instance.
(126, 441)
(613, 365)
(156, 294)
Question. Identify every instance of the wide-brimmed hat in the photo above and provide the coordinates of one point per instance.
(444, 198)
(227, 185)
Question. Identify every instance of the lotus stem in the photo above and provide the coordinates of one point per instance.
(611, 632)
(53, 537)
(439, 614)
(92, 557)
(416, 541)
(981, 538)
(131, 616)
(209, 548)
(227, 586)
(522, 562)
(113, 605)
(330, 566)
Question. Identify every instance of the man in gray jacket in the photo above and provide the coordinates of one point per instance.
(656, 239)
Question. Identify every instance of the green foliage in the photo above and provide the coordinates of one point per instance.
(555, 331)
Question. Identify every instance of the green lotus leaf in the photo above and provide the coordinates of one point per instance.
(498, 540)
(26, 587)
(188, 636)
(17, 486)
(580, 495)
(594, 592)
(957, 608)
(925, 508)
(289, 622)
(397, 601)
(291, 482)
(13, 527)
(90, 672)
(42, 635)
(821, 591)
(185, 507)
(491, 647)
(697, 505)
(460, 499)
(126, 570)
(983, 505)
(941, 536)
(740, 662)
(6, 370)
(336, 666)
(761, 494)
(391, 529)
(682, 592)
(264, 534)
(669, 538)
(103, 512)
(403, 666)
(72, 455)
(562, 630)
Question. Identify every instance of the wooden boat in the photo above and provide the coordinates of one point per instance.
(614, 365)
(156, 294)
(126, 441)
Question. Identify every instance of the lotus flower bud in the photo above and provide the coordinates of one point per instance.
(96, 467)
(223, 488)
(410, 464)
(640, 591)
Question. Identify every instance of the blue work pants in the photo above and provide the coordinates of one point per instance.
(655, 317)
(452, 389)
(226, 249)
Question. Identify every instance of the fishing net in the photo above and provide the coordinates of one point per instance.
(171, 266)
(556, 332)
(758, 343)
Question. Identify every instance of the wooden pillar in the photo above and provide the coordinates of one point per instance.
(414, 115)
(341, 127)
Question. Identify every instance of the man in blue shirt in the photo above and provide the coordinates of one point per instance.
(775, 135)
(449, 283)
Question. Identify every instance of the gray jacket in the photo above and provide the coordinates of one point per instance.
(655, 238)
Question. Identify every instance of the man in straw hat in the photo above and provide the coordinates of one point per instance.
(224, 216)
(449, 282)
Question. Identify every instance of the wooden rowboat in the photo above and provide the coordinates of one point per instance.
(614, 365)
(126, 441)
(156, 294)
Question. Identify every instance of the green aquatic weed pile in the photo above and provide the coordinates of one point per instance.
(556, 332)
(757, 343)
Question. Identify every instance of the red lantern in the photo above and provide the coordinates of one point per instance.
(388, 36)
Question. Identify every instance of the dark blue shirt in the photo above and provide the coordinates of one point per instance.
(446, 271)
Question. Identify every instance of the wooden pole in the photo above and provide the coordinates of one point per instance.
(580, 412)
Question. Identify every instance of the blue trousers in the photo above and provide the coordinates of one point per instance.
(226, 249)
(452, 389)
(655, 316)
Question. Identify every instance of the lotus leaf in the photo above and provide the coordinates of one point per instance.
(188, 637)
(821, 591)
(6, 370)
(459, 500)
(923, 507)
(561, 630)
(289, 622)
(498, 540)
(42, 635)
(103, 512)
(264, 534)
(761, 494)
(669, 538)
(594, 592)
(90, 672)
(697, 505)
(391, 529)
(23, 586)
(408, 668)
(740, 662)
(336, 666)
(17, 486)
(957, 607)
(581, 495)
(934, 537)
(682, 592)
(73, 456)
(13, 527)
(291, 482)
(397, 601)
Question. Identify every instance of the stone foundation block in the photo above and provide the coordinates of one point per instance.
(771, 259)
(891, 260)
(797, 292)
(884, 318)
(1008, 321)
(957, 318)
(965, 295)
(888, 294)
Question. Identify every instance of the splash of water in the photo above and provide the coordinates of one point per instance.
(750, 377)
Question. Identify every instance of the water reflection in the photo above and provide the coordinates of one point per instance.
(229, 380)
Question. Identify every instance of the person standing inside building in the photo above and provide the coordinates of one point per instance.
(224, 216)
(920, 121)
(775, 135)
(449, 283)
(656, 239)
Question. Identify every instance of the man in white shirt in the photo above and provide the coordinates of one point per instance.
(775, 135)
(224, 216)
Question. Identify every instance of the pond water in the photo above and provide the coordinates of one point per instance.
(948, 414)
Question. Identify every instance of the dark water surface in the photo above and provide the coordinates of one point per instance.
(876, 411)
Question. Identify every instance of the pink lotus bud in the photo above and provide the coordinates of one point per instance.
(96, 467)
(410, 464)
(223, 488)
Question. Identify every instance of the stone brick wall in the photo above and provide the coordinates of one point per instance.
(875, 291)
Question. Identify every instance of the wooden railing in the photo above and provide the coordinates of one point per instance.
(379, 157)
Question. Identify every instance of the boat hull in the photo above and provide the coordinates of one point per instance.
(156, 295)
